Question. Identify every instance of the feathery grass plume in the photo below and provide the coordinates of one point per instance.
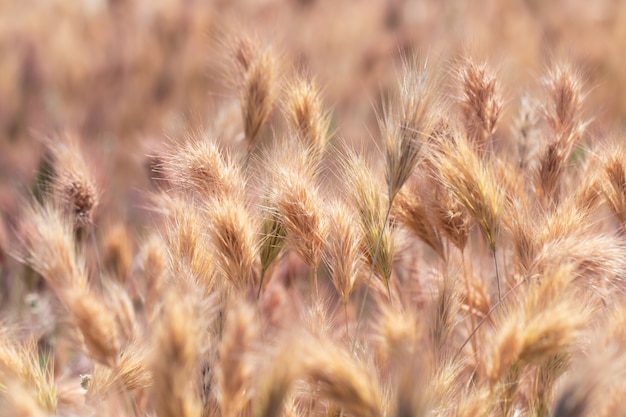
(118, 253)
(596, 259)
(473, 183)
(396, 333)
(342, 250)
(300, 208)
(563, 114)
(273, 238)
(304, 110)
(277, 377)
(371, 206)
(404, 126)
(594, 386)
(449, 215)
(188, 245)
(232, 236)
(176, 343)
(16, 400)
(526, 132)
(130, 373)
(412, 208)
(444, 310)
(257, 81)
(341, 378)
(119, 303)
(73, 184)
(27, 371)
(522, 228)
(152, 268)
(614, 184)
(96, 324)
(235, 367)
(48, 239)
(546, 325)
(480, 101)
(197, 164)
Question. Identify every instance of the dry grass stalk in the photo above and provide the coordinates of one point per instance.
(304, 110)
(197, 164)
(73, 185)
(341, 378)
(563, 114)
(96, 323)
(273, 238)
(173, 360)
(27, 380)
(372, 208)
(526, 132)
(118, 253)
(232, 235)
(472, 182)
(189, 247)
(300, 208)
(278, 378)
(614, 184)
(342, 250)
(413, 208)
(50, 247)
(258, 74)
(481, 103)
(129, 373)
(235, 366)
(404, 126)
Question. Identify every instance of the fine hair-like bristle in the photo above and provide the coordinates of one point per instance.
(73, 184)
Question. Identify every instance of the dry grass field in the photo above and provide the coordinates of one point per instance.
(381, 208)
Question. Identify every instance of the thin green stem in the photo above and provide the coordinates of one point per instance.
(369, 276)
(258, 296)
(495, 262)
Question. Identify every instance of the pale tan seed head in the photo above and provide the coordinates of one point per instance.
(198, 165)
(412, 207)
(232, 233)
(342, 249)
(176, 347)
(405, 126)
(371, 206)
(303, 108)
(481, 102)
(73, 184)
(235, 369)
(50, 247)
(96, 324)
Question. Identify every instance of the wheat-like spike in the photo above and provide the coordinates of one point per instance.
(563, 114)
(232, 236)
(176, 341)
(304, 110)
(342, 249)
(258, 75)
(197, 164)
(481, 103)
(412, 207)
(405, 125)
(50, 247)
(235, 367)
(73, 184)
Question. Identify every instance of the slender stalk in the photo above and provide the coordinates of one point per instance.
(313, 282)
(369, 276)
(484, 319)
(95, 251)
(467, 290)
(495, 262)
(258, 296)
